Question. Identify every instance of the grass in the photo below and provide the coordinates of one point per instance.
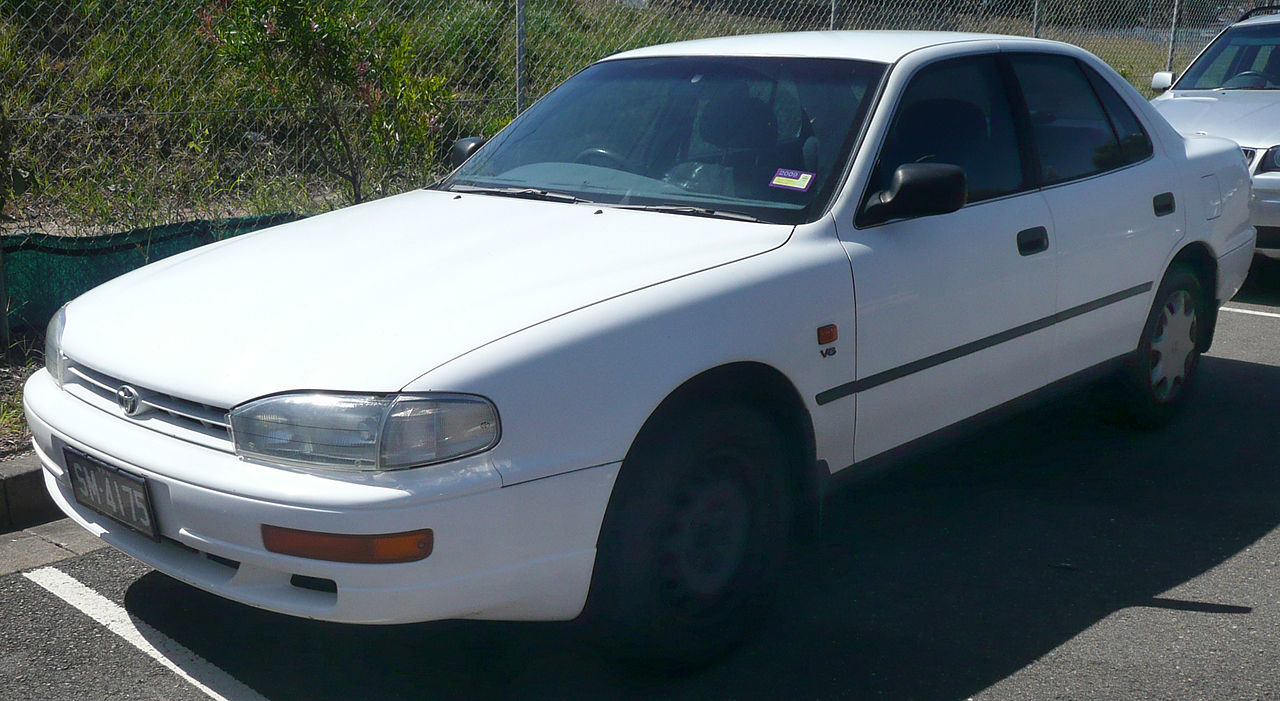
(105, 145)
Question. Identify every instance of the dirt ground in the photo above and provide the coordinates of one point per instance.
(14, 435)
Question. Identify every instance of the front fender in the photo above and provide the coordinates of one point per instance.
(573, 392)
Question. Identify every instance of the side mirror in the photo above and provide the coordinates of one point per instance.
(463, 148)
(1162, 80)
(917, 190)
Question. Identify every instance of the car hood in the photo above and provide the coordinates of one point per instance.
(1247, 117)
(371, 297)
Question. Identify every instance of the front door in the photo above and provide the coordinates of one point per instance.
(953, 311)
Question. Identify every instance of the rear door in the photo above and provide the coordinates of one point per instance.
(1113, 203)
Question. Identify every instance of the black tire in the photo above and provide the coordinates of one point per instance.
(696, 534)
(1161, 375)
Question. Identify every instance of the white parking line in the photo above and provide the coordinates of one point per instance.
(1237, 310)
(214, 682)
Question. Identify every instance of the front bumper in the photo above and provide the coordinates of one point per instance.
(524, 552)
(1266, 213)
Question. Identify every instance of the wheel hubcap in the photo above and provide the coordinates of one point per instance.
(1173, 345)
(707, 541)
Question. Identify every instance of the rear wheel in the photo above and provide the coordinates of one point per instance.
(1163, 371)
(695, 536)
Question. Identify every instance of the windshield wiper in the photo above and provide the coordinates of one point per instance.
(692, 211)
(531, 193)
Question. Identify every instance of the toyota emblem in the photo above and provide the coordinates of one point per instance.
(128, 399)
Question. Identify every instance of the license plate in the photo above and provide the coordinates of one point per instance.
(112, 492)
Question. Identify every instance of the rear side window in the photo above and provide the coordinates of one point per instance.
(956, 112)
(1072, 132)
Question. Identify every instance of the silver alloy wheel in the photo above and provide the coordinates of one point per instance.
(1173, 345)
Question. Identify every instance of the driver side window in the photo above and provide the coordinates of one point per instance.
(956, 112)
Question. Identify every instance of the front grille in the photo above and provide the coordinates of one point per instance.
(165, 413)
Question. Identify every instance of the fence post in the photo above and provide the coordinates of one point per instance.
(520, 57)
(833, 14)
(1035, 19)
(1173, 37)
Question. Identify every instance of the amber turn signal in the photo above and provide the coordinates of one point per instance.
(827, 334)
(386, 548)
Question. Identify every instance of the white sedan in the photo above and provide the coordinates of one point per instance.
(610, 365)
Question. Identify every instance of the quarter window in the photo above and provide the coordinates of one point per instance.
(1135, 145)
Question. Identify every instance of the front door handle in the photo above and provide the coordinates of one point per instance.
(1163, 204)
(1032, 241)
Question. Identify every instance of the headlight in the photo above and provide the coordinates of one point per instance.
(54, 360)
(1270, 161)
(364, 432)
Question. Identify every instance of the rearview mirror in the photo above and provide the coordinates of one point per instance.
(917, 190)
(1162, 80)
(463, 148)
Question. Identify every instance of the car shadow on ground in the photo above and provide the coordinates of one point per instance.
(933, 580)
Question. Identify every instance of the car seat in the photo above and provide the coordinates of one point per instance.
(746, 131)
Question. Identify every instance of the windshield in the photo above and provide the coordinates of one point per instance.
(1243, 58)
(747, 138)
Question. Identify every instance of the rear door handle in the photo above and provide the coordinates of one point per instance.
(1032, 241)
(1163, 204)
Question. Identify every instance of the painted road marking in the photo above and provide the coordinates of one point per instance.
(1237, 310)
(214, 682)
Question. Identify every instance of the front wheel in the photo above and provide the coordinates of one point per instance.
(694, 539)
(1162, 372)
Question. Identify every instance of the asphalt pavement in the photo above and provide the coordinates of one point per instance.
(1051, 555)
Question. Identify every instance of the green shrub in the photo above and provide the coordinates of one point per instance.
(348, 81)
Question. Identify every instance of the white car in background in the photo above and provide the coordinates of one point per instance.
(611, 364)
(1232, 90)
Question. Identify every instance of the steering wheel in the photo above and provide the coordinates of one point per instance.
(600, 157)
(1236, 80)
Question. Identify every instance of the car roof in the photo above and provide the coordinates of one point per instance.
(880, 46)
(1259, 19)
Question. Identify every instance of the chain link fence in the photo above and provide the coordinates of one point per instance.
(116, 115)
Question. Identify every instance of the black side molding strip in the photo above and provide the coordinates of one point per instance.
(948, 435)
(880, 378)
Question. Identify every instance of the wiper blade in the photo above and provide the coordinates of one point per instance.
(692, 211)
(531, 193)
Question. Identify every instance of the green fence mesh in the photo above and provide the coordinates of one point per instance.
(42, 272)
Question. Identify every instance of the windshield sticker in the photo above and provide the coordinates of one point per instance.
(791, 180)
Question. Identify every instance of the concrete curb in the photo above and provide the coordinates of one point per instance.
(24, 501)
